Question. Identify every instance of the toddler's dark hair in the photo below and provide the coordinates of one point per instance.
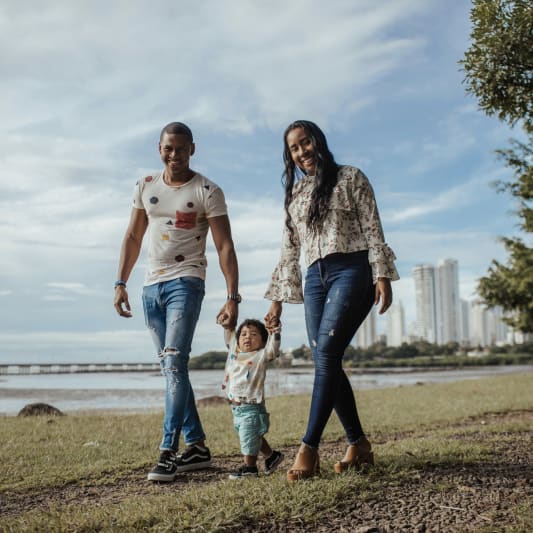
(256, 323)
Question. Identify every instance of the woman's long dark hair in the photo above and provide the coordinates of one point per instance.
(325, 175)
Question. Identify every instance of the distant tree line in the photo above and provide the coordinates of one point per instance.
(212, 360)
(419, 353)
(416, 349)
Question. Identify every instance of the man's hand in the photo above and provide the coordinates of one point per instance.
(273, 315)
(121, 298)
(227, 316)
(383, 292)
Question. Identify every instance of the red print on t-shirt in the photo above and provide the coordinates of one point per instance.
(148, 178)
(185, 220)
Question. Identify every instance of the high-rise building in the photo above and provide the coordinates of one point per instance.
(465, 321)
(366, 334)
(487, 326)
(478, 324)
(517, 337)
(426, 302)
(441, 315)
(449, 328)
(395, 325)
(497, 329)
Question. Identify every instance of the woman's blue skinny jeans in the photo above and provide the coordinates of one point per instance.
(338, 295)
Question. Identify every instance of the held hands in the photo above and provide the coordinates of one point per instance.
(383, 293)
(228, 314)
(121, 298)
(272, 318)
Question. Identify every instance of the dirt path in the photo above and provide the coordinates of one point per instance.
(439, 497)
(445, 498)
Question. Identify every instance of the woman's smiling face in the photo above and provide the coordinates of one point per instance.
(302, 150)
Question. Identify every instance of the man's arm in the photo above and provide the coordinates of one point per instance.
(131, 248)
(221, 232)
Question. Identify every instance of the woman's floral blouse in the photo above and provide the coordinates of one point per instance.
(352, 224)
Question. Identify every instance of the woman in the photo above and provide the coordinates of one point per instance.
(331, 213)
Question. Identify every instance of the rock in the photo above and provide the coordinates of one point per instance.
(211, 401)
(40, 409)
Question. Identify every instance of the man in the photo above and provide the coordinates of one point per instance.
(178, 206)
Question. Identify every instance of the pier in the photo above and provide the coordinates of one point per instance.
(78, 368)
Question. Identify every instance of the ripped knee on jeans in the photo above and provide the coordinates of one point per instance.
(167, 350)
(171, 368)
(170, 362)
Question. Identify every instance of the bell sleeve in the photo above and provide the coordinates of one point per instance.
(286, 281)
(380, 255)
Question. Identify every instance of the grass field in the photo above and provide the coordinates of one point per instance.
(88, 472)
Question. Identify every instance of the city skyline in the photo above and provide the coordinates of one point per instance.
(442, 315)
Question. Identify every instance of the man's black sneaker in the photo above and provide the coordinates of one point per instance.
(165, 469)
(272, 462)
(244, 472)
(195, 457)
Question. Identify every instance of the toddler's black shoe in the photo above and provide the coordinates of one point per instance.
(165, 469)
(272, 462)
(244, 472)
(195, 457)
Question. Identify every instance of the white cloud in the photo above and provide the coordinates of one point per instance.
(472, 248)
(58, 298)
(70, 346)
(266, 60)
(449, 200)
(74, 287)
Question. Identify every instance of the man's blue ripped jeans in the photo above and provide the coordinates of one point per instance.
(171, 311)
(338, 295)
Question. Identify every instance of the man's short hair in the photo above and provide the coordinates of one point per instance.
(177, 128)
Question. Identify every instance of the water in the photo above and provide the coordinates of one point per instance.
(144, 391)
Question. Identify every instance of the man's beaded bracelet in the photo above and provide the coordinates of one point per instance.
(120, 283)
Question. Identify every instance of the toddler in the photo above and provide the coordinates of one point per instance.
(249, 351)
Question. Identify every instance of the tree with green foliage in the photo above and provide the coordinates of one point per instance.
(303, 352)
(498, 70)
(209, 360)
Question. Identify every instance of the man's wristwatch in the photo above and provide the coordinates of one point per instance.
(235, 296)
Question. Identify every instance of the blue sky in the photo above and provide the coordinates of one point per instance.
(87, 86)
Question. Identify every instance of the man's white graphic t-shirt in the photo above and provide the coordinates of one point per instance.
(177, 224)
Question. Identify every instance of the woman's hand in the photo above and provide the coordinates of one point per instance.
(273, 315)
(383, 293)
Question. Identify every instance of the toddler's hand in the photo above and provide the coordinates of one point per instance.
(273, 329)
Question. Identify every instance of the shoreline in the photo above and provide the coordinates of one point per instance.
(143, 393)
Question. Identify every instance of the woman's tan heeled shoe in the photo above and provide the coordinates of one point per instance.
(356, 455)
(305, 465)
